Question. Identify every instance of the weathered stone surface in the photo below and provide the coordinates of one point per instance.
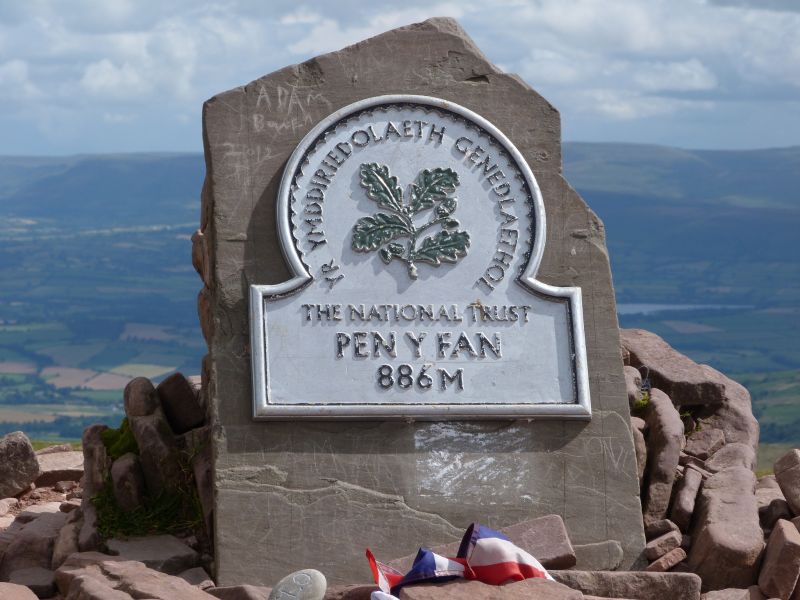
(683, 504)
(787, 473)
(158, 451)
(661, 545)
(96, 461)
(122, 580)
(6, 504)
(751, 593)
(727, 539)
(140, 398)
(735, 415)
(666, 562)
(529, 589)
(180, 403)
(240, 592)
(59, 466)
(633, 384)
(19, 466)
(66, 543)
(640, 446)
(32, 545)
(39, 580)
(69, 505)
(12, 591)
(198, 577)
(128, 481)
(602, 556)
(660, 527)
(350, 592)
(54, 448)
(641, 585)
(384, 481)
(705, 442)
(732, 455)
(666, 441)
(682, 379)
(781, 567)
(164, 553)
(306, 584)
(34, 511)
(545, 538)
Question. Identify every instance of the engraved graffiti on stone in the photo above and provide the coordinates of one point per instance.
(414, 229)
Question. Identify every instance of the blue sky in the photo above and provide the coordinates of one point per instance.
(87, 76)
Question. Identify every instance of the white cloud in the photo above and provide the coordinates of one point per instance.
(683, 76)
(15, 81)
(104, 78)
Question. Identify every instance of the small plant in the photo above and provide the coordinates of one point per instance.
(119, 441)
(642, 402)
(432, 190)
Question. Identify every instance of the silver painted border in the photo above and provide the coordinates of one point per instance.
(260, 294)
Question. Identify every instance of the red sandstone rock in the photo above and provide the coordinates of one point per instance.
(727, 540)
(705, 442)
(787, 473)
(665, 443)
(666, 562)
(662, 545)
(682, 379)
(736, 454)
(781, 566)
(683, 504)
(529, 589)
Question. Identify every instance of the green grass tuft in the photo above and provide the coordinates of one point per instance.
(120, 441)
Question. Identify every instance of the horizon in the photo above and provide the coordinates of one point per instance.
(122, 78)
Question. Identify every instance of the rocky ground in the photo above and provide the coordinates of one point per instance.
(128, 517)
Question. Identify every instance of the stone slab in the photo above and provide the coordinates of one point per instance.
(642, 585)
(325, 491)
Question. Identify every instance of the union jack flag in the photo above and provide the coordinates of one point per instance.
(484, 555)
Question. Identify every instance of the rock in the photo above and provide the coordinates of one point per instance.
(736, 454)
(6, 504)
(158, 452)
(128, 481)
(240, 592)
(39, 580)
(662, 545)
(735, 415)
(781, 567)
(55, 448)
(19, 466)
(705, 442)
(59, 466)
(528, 589)
(69, 506)
(666, 441)
(32, 546)
(686, 542)
(666, 562)
(641, 585)
(544, 538)
(683, 504)
(639, 423)
(203, 477)
(658, 528)
(640, 446)
(140, 398)
(180, 403)
(12, 591)
(96, 462)
(601, 556)
(120, 580)
(633, 383)
(727, 539)
(771, 503)
(787, 473)
(751, 593)
(164, 553)
(306, 584)
(198, 577)
(350, 592)
(687, 460)
(678, 376)
(66, 543)
(66, 486)
(6, 521)
(35, 511)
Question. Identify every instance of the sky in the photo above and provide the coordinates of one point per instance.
(89, 76)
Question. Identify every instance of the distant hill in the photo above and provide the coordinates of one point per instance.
(97, 283)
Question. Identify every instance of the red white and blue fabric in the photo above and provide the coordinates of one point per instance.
(484, 555)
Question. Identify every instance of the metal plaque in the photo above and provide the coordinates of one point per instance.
(414, 229)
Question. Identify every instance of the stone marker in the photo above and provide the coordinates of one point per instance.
(419, 264)
(307, 584)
